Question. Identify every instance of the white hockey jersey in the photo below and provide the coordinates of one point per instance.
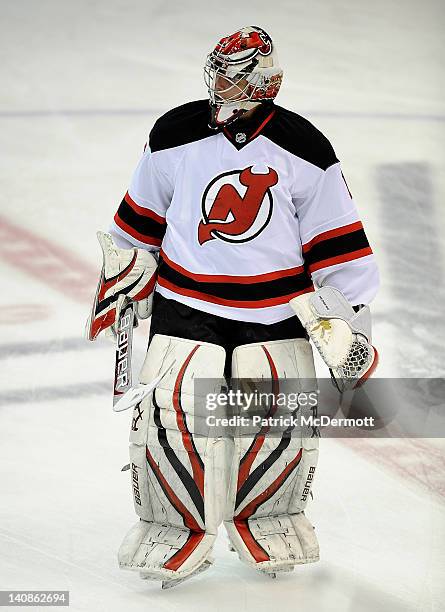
(246, 217)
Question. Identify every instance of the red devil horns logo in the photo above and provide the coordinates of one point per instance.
(234, 218)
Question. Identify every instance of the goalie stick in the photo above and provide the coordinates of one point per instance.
(124, 346)
(126, 396)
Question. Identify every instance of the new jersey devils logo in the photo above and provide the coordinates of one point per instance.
(237, 205)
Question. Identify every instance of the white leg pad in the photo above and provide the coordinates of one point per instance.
(287, 539)
(271, 476)
(178, 475)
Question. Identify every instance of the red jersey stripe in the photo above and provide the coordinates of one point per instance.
(151, 240)
(332, 261)
(145, 212)
(333, 233)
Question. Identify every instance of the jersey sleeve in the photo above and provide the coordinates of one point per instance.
(140, 219)
(335, 248)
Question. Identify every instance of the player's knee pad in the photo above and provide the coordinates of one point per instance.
(272, 471)
(177, 473)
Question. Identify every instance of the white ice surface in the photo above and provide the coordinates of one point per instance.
(82, 83)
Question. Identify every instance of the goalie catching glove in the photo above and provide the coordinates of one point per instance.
(127, 274)
(341, 335)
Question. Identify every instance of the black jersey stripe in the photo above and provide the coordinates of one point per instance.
(240, 292)
(138, 225)
(335, 247)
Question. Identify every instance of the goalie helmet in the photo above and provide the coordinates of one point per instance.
(241, 72)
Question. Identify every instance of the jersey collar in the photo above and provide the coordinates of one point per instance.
(243, 131)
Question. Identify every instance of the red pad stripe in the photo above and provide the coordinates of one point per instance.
(188, 518)
(245, 466)
(332, 261)
(145, 212)
(241, 520)
(101, 323)
(246, 463)
(151, 240)
(236, 303)
(175, 562)
(196, 533)
(257, 552)
(269, 491)
(147, 290)
(198, 471)
(228, 278)
(333, 233)
(108, 283)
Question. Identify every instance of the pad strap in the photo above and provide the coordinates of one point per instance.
(330, 303)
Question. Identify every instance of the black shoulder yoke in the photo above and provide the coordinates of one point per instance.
(297, 135)
(181, 125)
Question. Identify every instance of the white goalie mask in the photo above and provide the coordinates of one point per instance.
(240, 73)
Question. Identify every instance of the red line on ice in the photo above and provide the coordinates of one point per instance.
(48, 262)
(417, 460)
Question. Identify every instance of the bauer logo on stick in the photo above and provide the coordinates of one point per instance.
(122, 377)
